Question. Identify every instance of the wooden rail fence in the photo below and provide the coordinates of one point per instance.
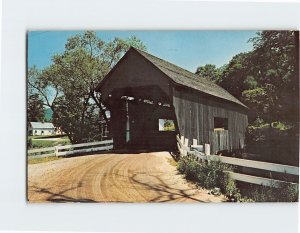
(184, 150)
(71, 149)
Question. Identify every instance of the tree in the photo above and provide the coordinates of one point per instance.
(266, 79)
(210, 72)
(276, 62)
(237, 76)
(262, 102)
(71, 80)
(35, 108)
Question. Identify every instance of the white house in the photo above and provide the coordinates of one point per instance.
(41, 128)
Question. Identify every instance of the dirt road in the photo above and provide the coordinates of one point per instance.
(141, 177)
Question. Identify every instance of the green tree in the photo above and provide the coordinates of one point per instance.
(262, 102)
(237, 76)
(210, 72)
(35, 108)
(276, 63)
(71, 80)
(266, 79)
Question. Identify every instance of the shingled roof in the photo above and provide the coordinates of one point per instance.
(186, 78)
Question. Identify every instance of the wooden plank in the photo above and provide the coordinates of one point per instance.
(254, 164)
(84, 144)
(40, 150)
(63, 153)
(258, 180)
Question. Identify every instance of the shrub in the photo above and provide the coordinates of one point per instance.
(284, 193)
(276, 144)
(209, 174)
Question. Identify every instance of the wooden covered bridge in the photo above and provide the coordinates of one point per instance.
(152, 100)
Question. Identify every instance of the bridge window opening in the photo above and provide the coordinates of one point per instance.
(220, 124)
(166, 125)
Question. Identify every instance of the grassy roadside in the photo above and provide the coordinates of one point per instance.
(172, 162)
(34, 142)
(211, 175)
(42, 160)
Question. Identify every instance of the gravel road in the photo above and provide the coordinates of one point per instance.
(140, 177)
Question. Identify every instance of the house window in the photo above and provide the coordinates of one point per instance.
(166, 125)
(220, 123)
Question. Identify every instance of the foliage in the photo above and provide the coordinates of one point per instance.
(284, 193)
(276, 142)
(266, 78)
(169, 125)
(210, 72)
(209, 175)
(237, 77)
(35, 108)
(68, 85)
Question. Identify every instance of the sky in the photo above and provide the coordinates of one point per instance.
(187, 49)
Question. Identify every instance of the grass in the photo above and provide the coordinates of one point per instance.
(258, 193)
(47, 136)
(32, 143)
(42, 160)
(172, 162)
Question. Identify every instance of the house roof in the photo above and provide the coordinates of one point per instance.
(186, 78)
(42, 125)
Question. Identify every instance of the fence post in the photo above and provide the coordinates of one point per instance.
(194, 142)
(182, 139)
(207, 149)
(186, 142)
(56, 151)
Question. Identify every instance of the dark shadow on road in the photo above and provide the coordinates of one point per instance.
(165, 192)
(60, 196)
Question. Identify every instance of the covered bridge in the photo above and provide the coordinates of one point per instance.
(151, 100)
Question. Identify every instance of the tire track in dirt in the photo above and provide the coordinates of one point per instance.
(144, 177)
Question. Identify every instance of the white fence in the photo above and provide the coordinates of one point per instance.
(71, 149)
(183, 148)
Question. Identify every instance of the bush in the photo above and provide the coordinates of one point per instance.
(209, 174)
(285, 193)
(276, 144)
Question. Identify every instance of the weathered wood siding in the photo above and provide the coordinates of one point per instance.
(195, 114)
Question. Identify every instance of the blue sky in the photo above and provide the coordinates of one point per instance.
(187, 49)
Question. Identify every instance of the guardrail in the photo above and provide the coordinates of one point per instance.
(185, 150)
(71, 149)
